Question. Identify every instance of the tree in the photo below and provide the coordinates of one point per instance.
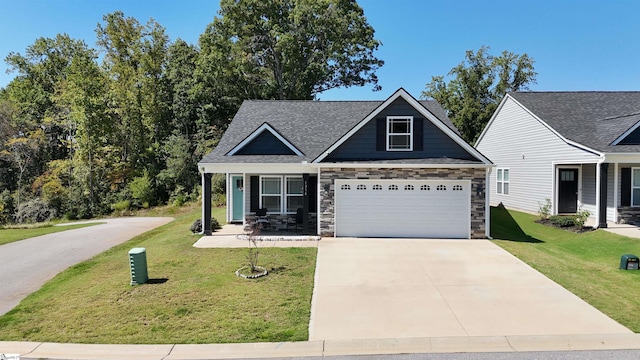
(477, 87)
(291, 49)
(135, 61)
(22, 151)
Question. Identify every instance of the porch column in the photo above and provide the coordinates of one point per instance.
(206, 204)
(305, 202)
(602, 206)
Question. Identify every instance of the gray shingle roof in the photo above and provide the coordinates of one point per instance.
(594, 119)
(311, 126)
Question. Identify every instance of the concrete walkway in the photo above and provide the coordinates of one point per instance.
(27, 264)
(403, 288)
(227, 237)
(623, 229)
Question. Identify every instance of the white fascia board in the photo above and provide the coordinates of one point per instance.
(626, 133)
(303, 168)
(570, 142)
(622, 157)
(402, 166)
(577, 161)
(256, 168)
(258, 131)
(417, 106)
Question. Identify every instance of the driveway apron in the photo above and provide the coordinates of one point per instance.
(27, 264)
(399, 288)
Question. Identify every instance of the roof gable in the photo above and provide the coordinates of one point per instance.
(400, 103)
(596, 120)
(265, 140)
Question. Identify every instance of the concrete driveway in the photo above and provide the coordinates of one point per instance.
(404, 288)
(27, 264)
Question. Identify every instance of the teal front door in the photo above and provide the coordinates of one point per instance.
(237, 200)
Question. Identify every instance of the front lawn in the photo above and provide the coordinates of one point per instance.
(587, 264)
(193, 296)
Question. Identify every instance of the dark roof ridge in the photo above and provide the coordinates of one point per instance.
(578, 92)
(328, 101)
(620, 116)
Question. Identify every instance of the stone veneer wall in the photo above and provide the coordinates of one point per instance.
(476, 175)
(279, 222)
(629, 215)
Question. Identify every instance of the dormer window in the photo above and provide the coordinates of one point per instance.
(399, 133)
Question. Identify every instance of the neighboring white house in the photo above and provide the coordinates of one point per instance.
(581, 150)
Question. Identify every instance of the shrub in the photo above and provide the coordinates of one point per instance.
(121, 205)
(196, 227)
(580, 218)
(142, 189)
(33, 211)
(544, 210)
(563, 220)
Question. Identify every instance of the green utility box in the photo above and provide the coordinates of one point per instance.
(629, 262)
(138, 263)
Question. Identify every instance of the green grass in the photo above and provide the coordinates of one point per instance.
(586, 264)
(193, 296)
(15, 234)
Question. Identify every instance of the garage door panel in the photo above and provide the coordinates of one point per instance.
(403, 213)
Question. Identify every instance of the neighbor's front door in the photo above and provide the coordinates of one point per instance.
(567, 191)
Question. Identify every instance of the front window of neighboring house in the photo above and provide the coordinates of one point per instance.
(281, 194)
(635, 187)
(399, 133)
(502, 177)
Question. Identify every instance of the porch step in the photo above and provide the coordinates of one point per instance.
(281, 237)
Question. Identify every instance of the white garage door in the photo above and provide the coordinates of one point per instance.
(403, 208)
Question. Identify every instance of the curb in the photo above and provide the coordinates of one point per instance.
(321, 348)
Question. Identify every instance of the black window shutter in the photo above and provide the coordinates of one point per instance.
(313, 194)
(418, 136)
(625, 187)
(381, 135)
(255, 194)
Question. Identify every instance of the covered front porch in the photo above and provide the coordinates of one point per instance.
(280, 201)
(609, 189)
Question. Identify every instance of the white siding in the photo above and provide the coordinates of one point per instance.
(518, 141)
(610, 195)
(588, 191)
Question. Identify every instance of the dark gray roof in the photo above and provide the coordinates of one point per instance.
(593, 118)
(311, 126)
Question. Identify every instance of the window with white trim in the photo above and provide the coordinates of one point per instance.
(635, 186)
(502, 181)
(294, 193)
(271, 193)
(399, 133)
(281, 194)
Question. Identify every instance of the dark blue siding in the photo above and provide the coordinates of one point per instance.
(631, 139)
(265, 144)
(435, 143)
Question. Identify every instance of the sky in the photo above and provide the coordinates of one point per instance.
(577, 45)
